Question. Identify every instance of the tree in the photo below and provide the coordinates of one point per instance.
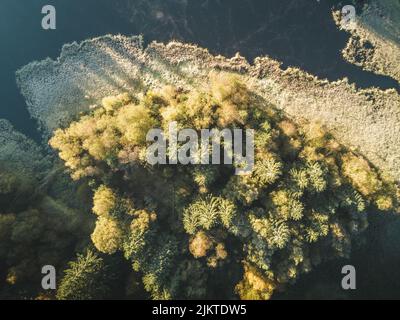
(87, 278)
(107, 236)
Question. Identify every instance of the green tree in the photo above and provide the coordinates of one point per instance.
(87, 278)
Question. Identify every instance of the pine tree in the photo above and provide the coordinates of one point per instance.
(88, 277)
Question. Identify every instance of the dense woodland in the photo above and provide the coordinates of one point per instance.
(116, 227)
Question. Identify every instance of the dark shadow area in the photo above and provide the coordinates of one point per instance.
(375, 258)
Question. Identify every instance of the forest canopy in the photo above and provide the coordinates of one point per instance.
(42, 216)
(196, 231)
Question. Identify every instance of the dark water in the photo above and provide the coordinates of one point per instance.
(297, 32)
